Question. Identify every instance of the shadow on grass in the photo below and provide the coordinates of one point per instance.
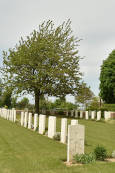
(86, 144)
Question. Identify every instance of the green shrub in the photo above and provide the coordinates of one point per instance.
(85, 158)
(109, 107)
(113, 154)
(100, 153)
(57, 136)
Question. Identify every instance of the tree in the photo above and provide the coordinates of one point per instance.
(6, 98)
(1, 91)
(61, 103)
(94, 104)
(5, 95)
(107, 79)
(84, 95)
(47, 62)
(14, 101)
(23, 103)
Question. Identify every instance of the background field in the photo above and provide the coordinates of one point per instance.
(25, 151)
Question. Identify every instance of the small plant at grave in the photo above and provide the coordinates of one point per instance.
(100, 153)
(44, 133)
(36, 130)
(85, 158)
(6, 107)
(57, 136)
(113, 154)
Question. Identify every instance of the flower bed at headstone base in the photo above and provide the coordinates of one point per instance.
(107, 160)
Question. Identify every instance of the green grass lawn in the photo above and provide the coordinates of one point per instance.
(25, 151)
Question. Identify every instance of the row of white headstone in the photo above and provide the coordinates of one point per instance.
(8, 114)
(26, 121)
(76, 132)
(89, 114)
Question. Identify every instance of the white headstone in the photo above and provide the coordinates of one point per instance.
(51, 126)
(35, 121)
(42, 122)
(98, 115)
(14, 111)
(93, 115)
(76, 114)
(26, 119)
(106, 115)
(74, 122)
(63, 130)
(72, 113)
(86, 115)
(22, 118)
(10, 115)
(30, 121)
(5, 113)
(81, 114)
(89, 113)
(0, 112)
(76, 135)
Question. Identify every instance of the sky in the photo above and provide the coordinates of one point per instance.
(92, 21)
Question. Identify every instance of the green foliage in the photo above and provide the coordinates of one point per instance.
(84, 95)
(1, 87)
(43, 103)
(107, 79)
(100, 153)
(58, 104)
(47, 62)
(23, 103)
(94, 104)
(62, 104)
(85, 158)
(6, 107)
(109, 107)
(14, 102)
(57, 136)
(5, 95)
(6, 98)
(113, 154)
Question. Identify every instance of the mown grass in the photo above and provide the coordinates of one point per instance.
(25, 151)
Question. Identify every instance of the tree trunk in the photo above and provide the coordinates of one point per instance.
(37, 100)
(100, 103)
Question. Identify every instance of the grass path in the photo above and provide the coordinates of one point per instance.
(25, 151)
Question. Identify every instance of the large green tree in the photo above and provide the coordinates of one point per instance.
(107, 79)
(46, 62)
